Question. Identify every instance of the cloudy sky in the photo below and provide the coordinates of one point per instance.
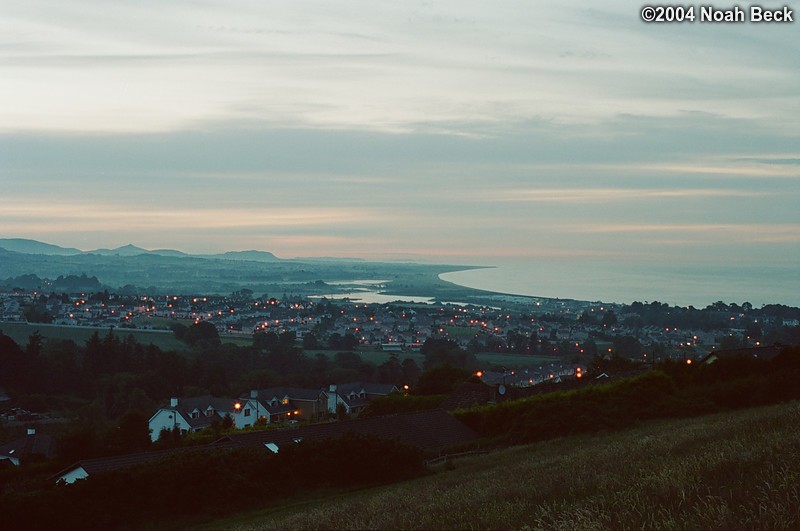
(449, 131)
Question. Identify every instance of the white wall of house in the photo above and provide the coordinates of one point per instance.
(248, 413)
(73, 475)
(166, 418)
(11, 459)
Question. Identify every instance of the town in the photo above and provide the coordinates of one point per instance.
(567, 329)
(102, 382)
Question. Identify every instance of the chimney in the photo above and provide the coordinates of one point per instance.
(173, 402)
(254, 393)
(31, 432)
(332, 399)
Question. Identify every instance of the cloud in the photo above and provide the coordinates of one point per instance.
(742, 232)
(609, 195)
(380, 67)
(27, 216)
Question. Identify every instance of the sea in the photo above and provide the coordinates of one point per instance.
(681, 285)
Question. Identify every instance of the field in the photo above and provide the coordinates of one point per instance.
(510, 361)
(20, 332)
(166, 340)
(737, 470)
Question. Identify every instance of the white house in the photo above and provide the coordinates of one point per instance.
(191, 414)
(279, 404)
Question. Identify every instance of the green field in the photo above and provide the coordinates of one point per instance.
(20, 332)
(166, 340)
(738, 470)
(510, 361)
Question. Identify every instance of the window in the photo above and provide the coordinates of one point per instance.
(285, 401)
(209, 412)
(247, 412)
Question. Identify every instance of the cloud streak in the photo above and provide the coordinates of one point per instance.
(612, 195)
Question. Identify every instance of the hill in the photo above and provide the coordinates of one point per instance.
(256, 256)
(21, 245)
(260, 271)
(738, 470)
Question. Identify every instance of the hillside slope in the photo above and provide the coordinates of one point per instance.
(738, 470)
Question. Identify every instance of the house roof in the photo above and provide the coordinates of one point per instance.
(37, 444)
(105, 464)
(293, 393)
(368, 388)
(761, 353)
(187, 405)
(432, 430)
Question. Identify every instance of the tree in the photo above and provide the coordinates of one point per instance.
(131, 434)
(441, 380)
(628, 347)
(310, 341)
(440, 352)
(202, 331)
(411, 371)
(266, 341)
(609, 319)
(390, 371)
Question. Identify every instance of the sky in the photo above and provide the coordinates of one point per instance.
(461, 131)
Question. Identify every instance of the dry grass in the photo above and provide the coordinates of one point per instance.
(737, 470)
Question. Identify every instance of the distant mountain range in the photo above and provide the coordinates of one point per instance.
(24, 246)
(20, 245)
(130, 269)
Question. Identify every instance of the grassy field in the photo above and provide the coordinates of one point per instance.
(510, 361)
(20, 332)
(737, 470)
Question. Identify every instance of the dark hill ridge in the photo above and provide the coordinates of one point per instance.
(262, 272)
(25, 246)
(125, 250)
(21, 245)
(256, 256)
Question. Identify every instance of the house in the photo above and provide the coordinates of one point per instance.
(759, 353)
(32, 447)
(190, 414)
(354, 397)
(87, 467)
(279, 404)
(432, 431)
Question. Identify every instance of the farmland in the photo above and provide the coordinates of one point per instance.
(20, 332)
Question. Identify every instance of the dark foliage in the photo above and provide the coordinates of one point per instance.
(446, 352)
(196, 485)
(677, 390)
(441, 380)
(399, 403)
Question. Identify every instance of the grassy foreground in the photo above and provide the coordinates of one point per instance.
(738, 470)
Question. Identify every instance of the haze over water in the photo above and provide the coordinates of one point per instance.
(682, 285)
